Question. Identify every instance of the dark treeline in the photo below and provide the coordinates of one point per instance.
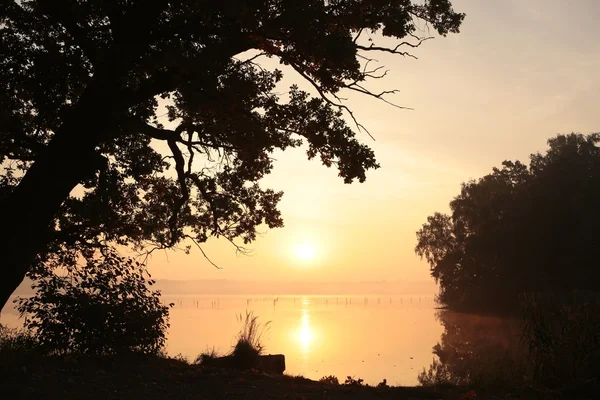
(516, 264)
(520, 229)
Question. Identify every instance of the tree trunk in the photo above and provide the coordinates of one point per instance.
(27, 213)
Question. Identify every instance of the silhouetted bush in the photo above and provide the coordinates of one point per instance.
(562, 334)
(438, 374)
(207, 356)
(181, 358)
(383, 384)
(104, 307)
(15, 344)
(330, 380)
(350, 381)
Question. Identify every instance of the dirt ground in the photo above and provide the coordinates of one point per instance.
(170, 379)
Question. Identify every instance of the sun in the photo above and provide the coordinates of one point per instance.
(305, 252)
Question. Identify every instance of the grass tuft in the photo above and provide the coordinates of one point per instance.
(247, 350)
(15, 344)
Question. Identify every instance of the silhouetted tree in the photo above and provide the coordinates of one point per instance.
(520, 229)
(107, 307)
(84, 82)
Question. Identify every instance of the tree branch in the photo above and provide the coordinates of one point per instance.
(207, 197)
(154, 132)
(394, 50)
(202, 251)
(329, 101)
(175, 135)
(185, 193)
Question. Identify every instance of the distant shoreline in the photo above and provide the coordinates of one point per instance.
(290, 288)
(224, 287)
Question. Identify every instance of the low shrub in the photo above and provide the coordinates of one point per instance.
(16, 344)
(350, 381)
(437, 374)
(104, 307)
(383, 384)
(330, 380)
(561, 332)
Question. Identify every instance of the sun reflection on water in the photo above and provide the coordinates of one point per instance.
(305, 334)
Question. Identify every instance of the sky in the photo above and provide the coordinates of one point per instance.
(519, 73)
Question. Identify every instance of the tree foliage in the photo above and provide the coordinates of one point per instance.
(520, 229)
(106, 307)
(561, 335)
(161, 117)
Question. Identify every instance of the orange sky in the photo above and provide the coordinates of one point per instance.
(518, 73)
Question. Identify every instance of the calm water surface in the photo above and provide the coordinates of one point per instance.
(368, 337)
(371, 337)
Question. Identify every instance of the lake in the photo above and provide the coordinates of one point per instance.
(370, 337)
